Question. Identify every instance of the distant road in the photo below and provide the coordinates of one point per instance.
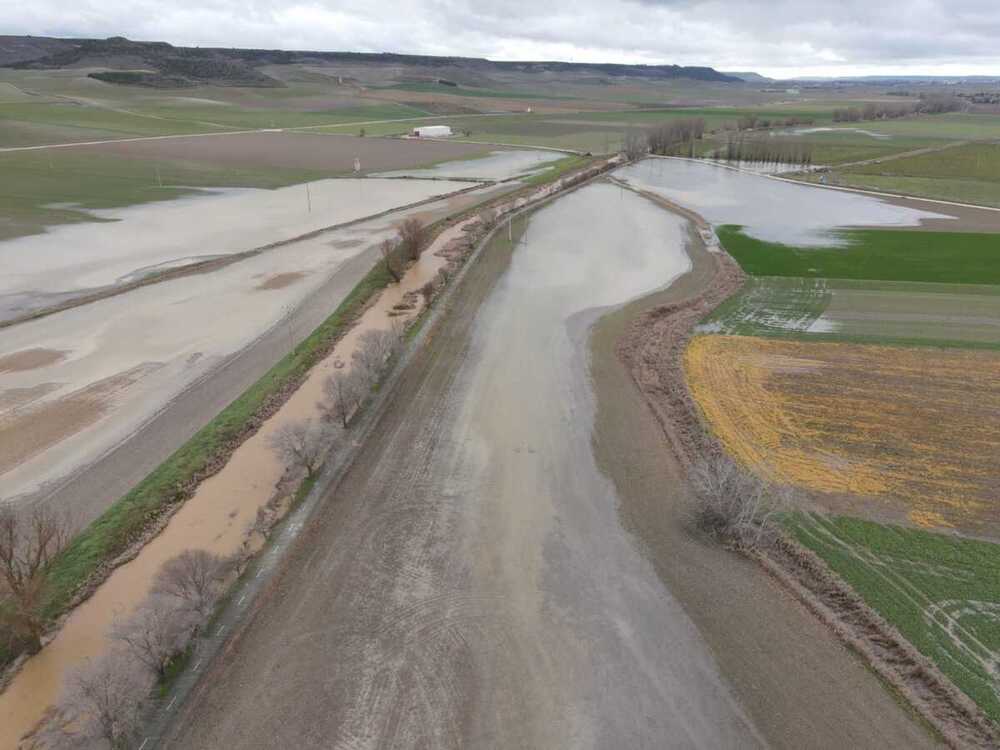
(10, 149)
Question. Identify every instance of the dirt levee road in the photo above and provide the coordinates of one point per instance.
(469, 583)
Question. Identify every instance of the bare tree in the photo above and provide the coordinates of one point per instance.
(389, 252)
(101, 705)
(28, 544)
(374, 349)
(412, 234)
(635, 145)
(488, 217)
(733, 504)
(156, 632)
(195, 579)
(427, 292)
(344, 393)
(302, 444)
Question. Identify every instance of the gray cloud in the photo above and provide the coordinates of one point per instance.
(783, 37)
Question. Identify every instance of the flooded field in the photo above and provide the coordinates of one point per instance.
(123, 245)
(216, 518)
(470, 577)
(76, 384)
(770, 210)
(498, 165)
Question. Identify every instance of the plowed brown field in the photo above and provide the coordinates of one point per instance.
(878, 430)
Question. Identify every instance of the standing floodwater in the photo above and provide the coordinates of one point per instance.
(768, 209)
(469, 584)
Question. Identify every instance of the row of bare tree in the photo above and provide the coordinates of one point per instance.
(756, 122)
(674, 138)
(103, 701)
(930, 104)
(303, 445)
(765, 151)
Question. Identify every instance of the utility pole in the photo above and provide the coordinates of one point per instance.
(309, 205)
(291, 333)
(159, 179)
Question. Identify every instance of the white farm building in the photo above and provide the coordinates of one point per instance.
(431, 131)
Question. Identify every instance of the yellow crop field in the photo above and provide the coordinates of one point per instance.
(873, 428)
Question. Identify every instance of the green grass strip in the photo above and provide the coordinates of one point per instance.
(880, 254)
(942, 592)
(120, 524)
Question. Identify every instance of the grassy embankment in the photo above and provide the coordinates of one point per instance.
(941, 592)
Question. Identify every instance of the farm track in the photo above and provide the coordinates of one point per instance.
(107, 141)
(901, 155)
(652, 349)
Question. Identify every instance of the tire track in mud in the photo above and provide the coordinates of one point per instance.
(652, 350)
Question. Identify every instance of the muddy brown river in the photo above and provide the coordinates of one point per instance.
(469, 583)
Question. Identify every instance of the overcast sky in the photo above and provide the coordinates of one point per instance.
(780, 38)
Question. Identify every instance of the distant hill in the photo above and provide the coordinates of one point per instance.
(15, 49)
(749, 77)
(162, 64)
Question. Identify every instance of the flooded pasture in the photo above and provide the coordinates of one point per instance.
(126, 244)
(498, 165)
(768, 209)
(216, 519)
(121, 360)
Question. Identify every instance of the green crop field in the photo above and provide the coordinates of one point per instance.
(941, 592)
(860, 311)
(967, 174)
(952, 126)
(879, 254)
